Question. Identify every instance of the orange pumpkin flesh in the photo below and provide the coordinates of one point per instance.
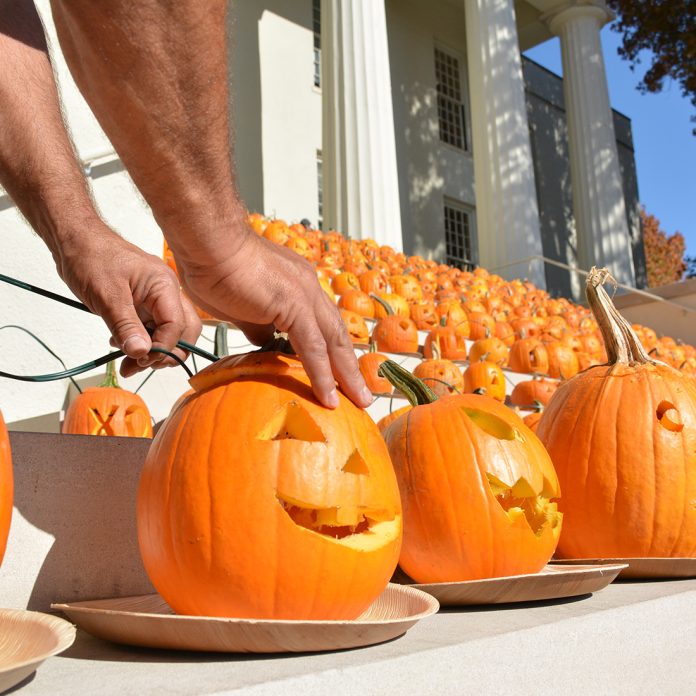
(476, 487)
(623, 439)
(255, 501)
(6, 487)
(108, 410)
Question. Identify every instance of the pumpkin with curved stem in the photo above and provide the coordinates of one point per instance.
(6, 487)
(485, 377)
(255, 501)
(394, 334)
(440, 374)
(623, 439)
(476, 486)
(108, 410)
(369, 364)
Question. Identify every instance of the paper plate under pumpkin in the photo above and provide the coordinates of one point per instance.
(257, 502)
(27, 638)
(552, 582)
(147, 621)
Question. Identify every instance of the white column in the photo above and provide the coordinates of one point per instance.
(598, 201)
(507, 216)
(361, 191)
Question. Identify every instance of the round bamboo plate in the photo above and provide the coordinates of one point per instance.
(147, 621)
(554, 582)
(27, 638)
(643, 568)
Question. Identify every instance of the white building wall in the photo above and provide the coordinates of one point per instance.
(429, 171)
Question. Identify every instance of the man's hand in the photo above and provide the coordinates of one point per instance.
(130, 289)
(262, 286)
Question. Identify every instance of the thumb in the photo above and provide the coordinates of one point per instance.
(127, 330)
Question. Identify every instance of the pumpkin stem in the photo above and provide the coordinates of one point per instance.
(620, 340)
(278, 344)
(221, 349)
(110, 380)
(435, 349)
(387, 307)
(414, 389)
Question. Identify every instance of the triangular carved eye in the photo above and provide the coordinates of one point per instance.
(356, 464)
(292, 422)
(103, 423)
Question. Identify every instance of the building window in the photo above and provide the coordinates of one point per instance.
(320, 190)
(316, 28)
(451, 112)
(459, 234)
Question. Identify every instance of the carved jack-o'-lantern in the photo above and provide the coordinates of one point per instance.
(256, 501)
(476, 485)
(5, 487)
(108, 410)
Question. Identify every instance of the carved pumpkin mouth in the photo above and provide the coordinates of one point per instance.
(340, 523)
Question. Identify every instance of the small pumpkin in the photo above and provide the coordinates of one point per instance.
(531, 391)
(359, 302)
(528, 355)
(450, 343)
(485, 377)
(491, 349)
(6, 487)
(394, 334)
(476, 486)
(108, 410)
(369, 364)
(356, 326)
(440, 374)
(623, 439)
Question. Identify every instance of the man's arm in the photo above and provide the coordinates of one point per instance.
(39, 170)
(155, 75)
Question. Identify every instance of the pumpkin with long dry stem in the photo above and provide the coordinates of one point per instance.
(255, 501)
(108, 410)
(623, 439)
(6, 489)
(476, 487)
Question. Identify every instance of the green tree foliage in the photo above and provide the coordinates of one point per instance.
(665, 28)
(664, 256)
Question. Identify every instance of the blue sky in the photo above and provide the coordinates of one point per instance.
(665, 149)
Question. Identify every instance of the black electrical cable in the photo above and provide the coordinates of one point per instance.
(184, 345)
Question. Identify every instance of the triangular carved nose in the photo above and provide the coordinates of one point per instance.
(356, 464)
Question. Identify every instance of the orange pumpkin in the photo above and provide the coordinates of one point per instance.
(373, 281)
(481, 325)
(450, 343)
(108, 410)
(441, 375)
(369, 364)
(528, 355)
(491, 349)
(424, 315)
(398, 305)
(359, 302)
(485, 377)
(531, 391)
(476, 487)
(356, 326)
(623, 439)
(6, 487)
(255, 501)
(393, 333)
(563, 360)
